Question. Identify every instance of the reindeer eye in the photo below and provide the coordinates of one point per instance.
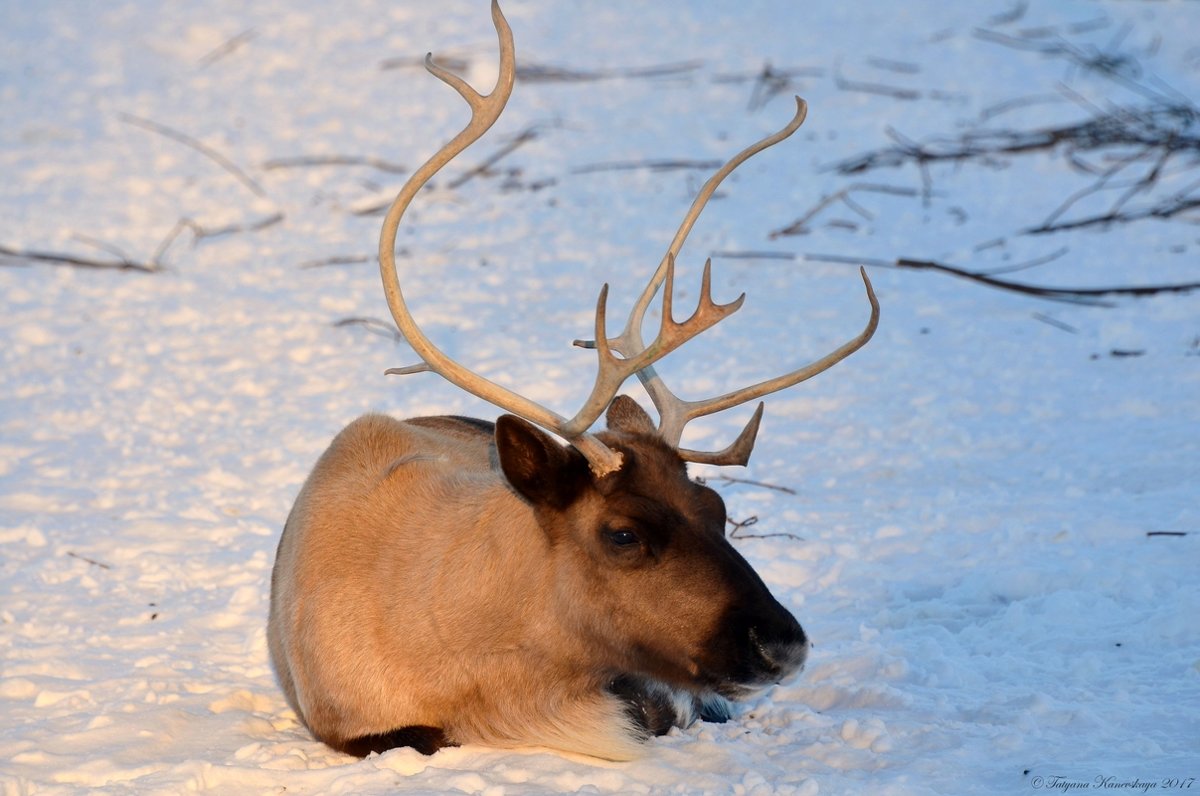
(622, 537)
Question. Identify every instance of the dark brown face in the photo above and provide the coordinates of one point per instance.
(646, 574)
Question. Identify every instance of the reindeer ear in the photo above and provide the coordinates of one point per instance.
(542, 471)
(626, 414)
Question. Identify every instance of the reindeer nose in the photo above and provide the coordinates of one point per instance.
(779, 650)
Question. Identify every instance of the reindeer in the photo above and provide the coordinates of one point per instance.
(448, 580)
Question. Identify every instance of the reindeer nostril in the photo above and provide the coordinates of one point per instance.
(778, 655)
(766, 657)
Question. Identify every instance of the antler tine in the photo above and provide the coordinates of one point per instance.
(612, 370)
(629, 343)
(738, 453)
(485, 110)
(676, 413)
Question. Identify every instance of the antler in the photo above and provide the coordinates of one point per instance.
(636, 357)
(674, 412)
(612, 371)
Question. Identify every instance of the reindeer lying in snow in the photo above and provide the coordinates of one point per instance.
(446, 580)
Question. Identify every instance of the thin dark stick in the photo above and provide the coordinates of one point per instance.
(253, 226)
(308, 161)
(1166, 533)
(228, 47)
(343, 260)
(544, 73)
(202, 148)
(873, 88)
(728, 479)
(1085, 295)
(199, 233)
(1100, 184)
(1018, 103)
(57, 258)
(91, 561)
(752, 255)
(1025, 266)
(900, 67)
(1145, 182)
(769, 82)
(739, 526)
(652, 165)
(1055, 322)
(1162, 211)
(522, 137)
(373, 325)
(1012, 15)
(1050, 292)
(800, 225)
(103, 246)
(171, 237)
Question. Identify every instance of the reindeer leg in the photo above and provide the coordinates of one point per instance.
(655, 707)
(425, 740)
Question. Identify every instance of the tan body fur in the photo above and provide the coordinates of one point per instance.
(404, 536)
(446, 580)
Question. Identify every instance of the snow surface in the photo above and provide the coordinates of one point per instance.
(971, 493)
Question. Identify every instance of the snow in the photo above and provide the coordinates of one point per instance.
(972, 492)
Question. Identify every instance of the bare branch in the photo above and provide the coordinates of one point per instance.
(752, 255)
(649, 165)
(523, 137)
(57, 258)
(228, 47)
(373, 325)
(91, 561)
(1163, 211)
(337, 260)
(1085, 295)
(894, 92)
(728, 479)
(800, 225)
(308, 161)
(738, 526)
(202, 148)
(543, 73)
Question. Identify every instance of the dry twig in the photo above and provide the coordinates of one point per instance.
(59, 258)
(484, 168)
(1082, 295)
(652, 165)
(202, 148)
(309, 161)
(91, 561)
(801, 225)
(729, 479)
(770, 82)
(353, 259)
(373, 325)
(752, 255)
(228, 47)
(738, 526)
(895, 92)
(545, 73)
